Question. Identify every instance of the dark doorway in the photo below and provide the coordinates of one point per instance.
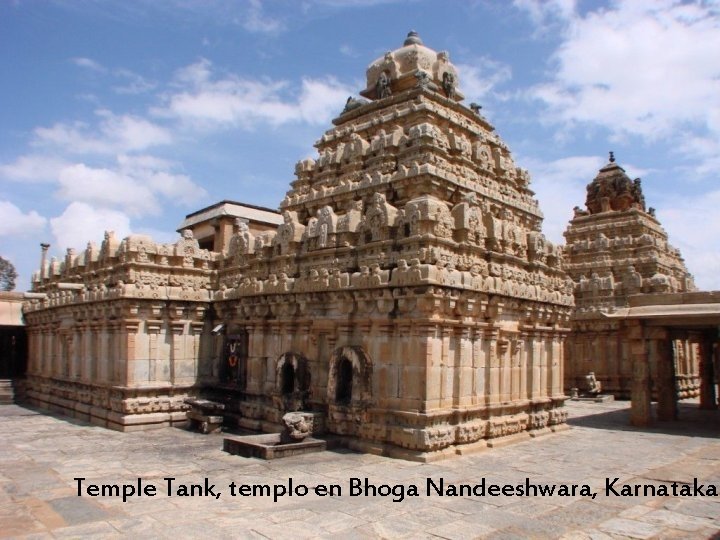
(343, 388)
(288, 378)
(13, 351)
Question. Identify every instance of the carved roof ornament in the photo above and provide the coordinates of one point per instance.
(612, 189)
(412, 39)
(410, 66)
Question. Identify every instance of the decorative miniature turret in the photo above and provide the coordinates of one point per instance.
(612, 189)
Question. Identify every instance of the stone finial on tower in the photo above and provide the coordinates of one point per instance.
(412, 39)
(612, 157)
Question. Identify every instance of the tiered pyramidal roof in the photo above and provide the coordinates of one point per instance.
(617, 247)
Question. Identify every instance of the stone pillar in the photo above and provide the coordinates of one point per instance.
(428, 347)
(127, 358)
(177, 356)
(522, 347)
(463, 369)
(113, 353)
(478, 363)
(666, 388)
(52, 343)
(196, 331)
(515, 357)
(76, 351)
(493, 366)
(534, 366)
(708, 397)
(544, 357)
(640, 412)
(155, 371)
(555, 367)
(95, 348)
(447, 363)
(102, 373)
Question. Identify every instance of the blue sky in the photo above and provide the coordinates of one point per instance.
(128, 115)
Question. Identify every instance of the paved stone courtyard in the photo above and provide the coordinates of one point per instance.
(41, 455)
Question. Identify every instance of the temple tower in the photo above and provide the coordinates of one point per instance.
(617, 248)
(410, 297)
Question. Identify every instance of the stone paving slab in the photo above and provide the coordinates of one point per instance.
(42, 454)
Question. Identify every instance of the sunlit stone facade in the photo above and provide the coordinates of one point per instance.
(409, 297)
(617, 248)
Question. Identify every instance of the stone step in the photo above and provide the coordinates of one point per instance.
(7, 392)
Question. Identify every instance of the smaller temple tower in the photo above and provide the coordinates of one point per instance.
(617, 248)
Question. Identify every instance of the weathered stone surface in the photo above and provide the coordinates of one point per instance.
(408, 295)
(617, 248)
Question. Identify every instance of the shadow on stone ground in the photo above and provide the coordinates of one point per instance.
(691, 422)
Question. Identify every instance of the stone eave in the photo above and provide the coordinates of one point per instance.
(232, 209)
(678, 308)
(408, 95)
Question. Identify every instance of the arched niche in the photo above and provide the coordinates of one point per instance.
(292, 380)
(350, 377)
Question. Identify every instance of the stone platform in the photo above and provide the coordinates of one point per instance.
(41, 455)
(268, 446)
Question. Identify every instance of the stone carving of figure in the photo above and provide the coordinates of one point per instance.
(352, 104)
(593, 385)
(423, 80)
(632, 280)
(448, 84)
(399, 274)
(382, 86)
(297, 426)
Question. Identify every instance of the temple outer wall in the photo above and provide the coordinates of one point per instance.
(126, 373)
(422, 388)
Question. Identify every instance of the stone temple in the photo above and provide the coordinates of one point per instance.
(408, 298)
(615, 249)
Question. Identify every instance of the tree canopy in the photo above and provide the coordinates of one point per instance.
(8, 275)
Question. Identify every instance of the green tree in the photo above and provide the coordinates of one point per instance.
(8, 275)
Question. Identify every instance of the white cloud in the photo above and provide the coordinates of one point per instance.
(348, 50)
(88, 63)
(158, 175)
(15, 222)
(559, 186)
(231, 101)
(114, 134)
(33, 168)
(257, 21)
(322, 99)
(107, 188)
(132, 82)
(639, 68)
(693, 224)
(80, 223)
(133, 185)
(481, 77)
(544, 12)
